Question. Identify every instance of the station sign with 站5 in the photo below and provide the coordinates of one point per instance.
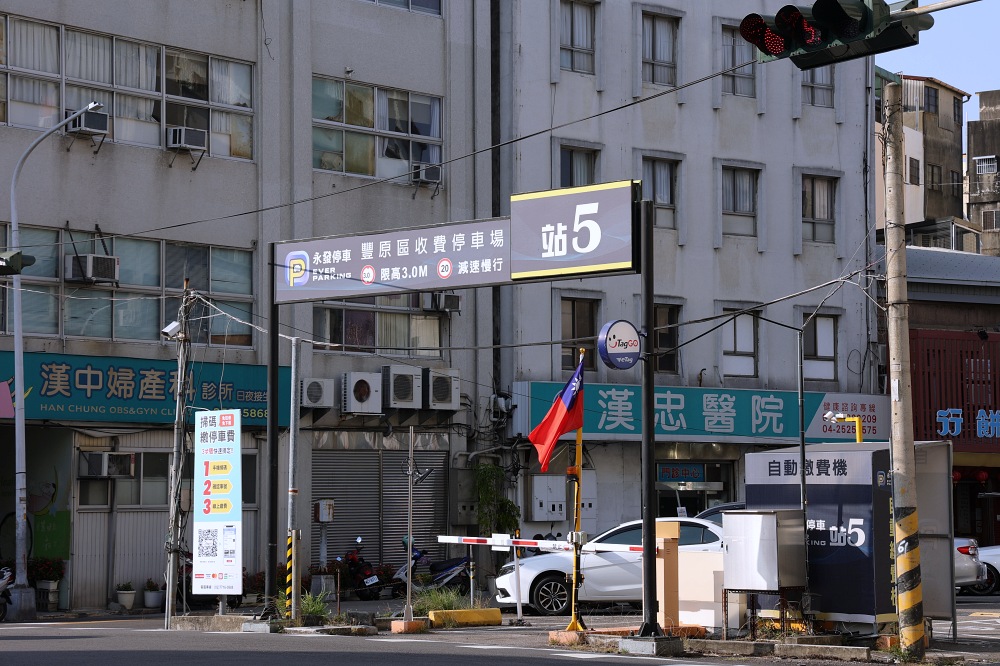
(217, 566)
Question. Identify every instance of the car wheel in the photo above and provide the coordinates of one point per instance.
(988, 586)
(550, 595)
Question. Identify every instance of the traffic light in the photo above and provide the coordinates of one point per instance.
(11, 263)
(830, 31)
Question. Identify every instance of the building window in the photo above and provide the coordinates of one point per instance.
(739, 345)
(370, 131)
(149, 485)
(151, 273)
(739, 201)
(425, 6)
(202, 92)
(914, 171)
(956, 110)
(930, 99)
(579, 329)
(576, 166)
(934, 177)
(736, 51)
(955, 180)
(659, 49)
(576, 36)
(991, 220)
(659, 183)
(817, 86)
(392, 325)
(666, 318)
(818, 199)
(985, 165)
(819, 342)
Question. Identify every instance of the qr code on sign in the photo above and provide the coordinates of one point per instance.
(208, 543)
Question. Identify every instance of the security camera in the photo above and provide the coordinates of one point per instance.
(829, 416)
(171, 330)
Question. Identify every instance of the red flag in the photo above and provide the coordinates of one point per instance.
(565, 415)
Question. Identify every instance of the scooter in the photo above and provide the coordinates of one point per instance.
(451, 573)
(361, 573)
(6, 578)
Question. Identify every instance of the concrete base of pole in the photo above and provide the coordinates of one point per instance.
(22, 604)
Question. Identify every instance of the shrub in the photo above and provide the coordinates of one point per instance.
(314, 605)
(125, 587)
(44, 568)
(151, 585)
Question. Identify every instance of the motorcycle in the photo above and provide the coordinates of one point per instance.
(454, 573)
(361, 574)
(6, 579)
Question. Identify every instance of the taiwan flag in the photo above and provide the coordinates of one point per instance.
(565, 415)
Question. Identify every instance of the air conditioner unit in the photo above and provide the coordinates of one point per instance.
(106, 465)
(317, 393)
(402, 387)
(441, 389)
(361, 393)
(437, 301)
(425, 173)
(187, 138)
(90, 123)
(96, 267)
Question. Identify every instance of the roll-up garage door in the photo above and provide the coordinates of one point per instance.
(370, 492)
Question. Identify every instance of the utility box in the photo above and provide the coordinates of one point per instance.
(548, 498)
(763, 551)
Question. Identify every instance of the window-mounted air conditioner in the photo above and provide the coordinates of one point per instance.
(438, 301)
(402, 387)
(187, 138)
(441, 389)
(90, 123)
(106, 465)
(361, 393)
(97, 267)
(425, 173)
(317, 393)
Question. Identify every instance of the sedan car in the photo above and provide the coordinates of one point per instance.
(990, 583)
(607, 576)
(969, 570)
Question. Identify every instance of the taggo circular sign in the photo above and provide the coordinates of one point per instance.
(619, 344)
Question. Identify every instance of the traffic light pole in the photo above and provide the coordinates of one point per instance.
(909, 594)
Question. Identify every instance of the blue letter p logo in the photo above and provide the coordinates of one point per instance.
(297, 268)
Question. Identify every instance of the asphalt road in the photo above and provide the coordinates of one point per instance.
(103, 640)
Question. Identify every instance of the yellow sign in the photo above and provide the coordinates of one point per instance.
(217, 506)
(217, 467)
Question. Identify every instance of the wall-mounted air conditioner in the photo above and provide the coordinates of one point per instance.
(361, 393)
(90, 123)
(187, 138)
(438, 301)
(97, 267)
(425, 173)
(317, 393)
(442, 389)
(106, 465)
(402, 387)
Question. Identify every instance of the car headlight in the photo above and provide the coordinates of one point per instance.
(506, 569)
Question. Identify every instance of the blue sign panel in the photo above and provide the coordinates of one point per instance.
(63, 387)
(614, 412)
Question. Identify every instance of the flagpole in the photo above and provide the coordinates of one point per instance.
(576, 623)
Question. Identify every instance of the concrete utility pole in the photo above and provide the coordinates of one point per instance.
(909, 594)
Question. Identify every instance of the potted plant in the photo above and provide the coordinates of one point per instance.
(44, 574)
(152, 594)
(126, 594)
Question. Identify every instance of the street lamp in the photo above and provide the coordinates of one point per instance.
(22, 597)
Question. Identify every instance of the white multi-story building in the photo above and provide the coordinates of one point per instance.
(233, 126)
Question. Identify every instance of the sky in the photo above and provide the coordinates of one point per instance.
(960, 50)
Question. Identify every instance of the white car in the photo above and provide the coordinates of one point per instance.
(607, 576)
(990, 582)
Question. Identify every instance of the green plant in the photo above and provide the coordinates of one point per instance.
(444, 598)
(44, 568)
(496, 513)
(151, 585)
(125, 587)
(314, 604)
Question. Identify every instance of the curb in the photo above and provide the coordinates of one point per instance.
(475, 617)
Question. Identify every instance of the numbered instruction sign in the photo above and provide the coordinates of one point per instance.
(217, 504)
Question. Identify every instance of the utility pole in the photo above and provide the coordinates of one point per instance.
(295, 594)
(909, 594)
(177, 462)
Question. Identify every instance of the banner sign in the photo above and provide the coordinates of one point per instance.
(576, 230)
(114, 389)
(465, 254)
(217, 504)
(614, 412)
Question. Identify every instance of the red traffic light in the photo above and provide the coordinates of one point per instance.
(790, 22)
(755, 30)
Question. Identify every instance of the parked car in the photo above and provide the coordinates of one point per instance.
(607, 576)
(989, 583)
(970, 575)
